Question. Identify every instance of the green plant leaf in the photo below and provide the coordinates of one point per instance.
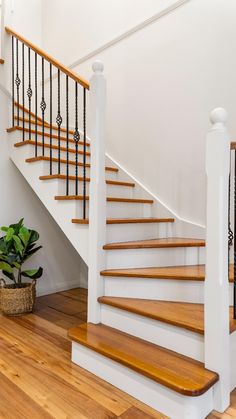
(24, 235)
(29, 253)
(9, 275)
(33, 273)
(17, 226)
(18, 245)
(4, 228)
(34, 236)
(4, 266)
(9, 235)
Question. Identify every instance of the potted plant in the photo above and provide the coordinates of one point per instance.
(17, 245)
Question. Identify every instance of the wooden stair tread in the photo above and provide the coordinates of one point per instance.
(182, 273)
(156, 243)
(177, 372)
(127, 220)
(109, 182)
(109, 199)
(194, 272)
(47, 125)
(54, 147)
(46, 134)
(188, 316)
(64, 161)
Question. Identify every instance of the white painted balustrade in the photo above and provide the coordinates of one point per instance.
(217, 338)
(97, 198)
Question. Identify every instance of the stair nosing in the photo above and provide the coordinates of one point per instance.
(144, 369)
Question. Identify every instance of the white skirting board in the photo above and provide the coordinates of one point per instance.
(166, 401)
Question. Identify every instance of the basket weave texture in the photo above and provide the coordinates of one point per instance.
(15, 301)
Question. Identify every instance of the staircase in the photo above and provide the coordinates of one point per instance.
(149, 339)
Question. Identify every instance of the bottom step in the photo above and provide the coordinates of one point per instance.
(169, 375)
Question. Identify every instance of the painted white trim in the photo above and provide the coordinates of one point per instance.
(125, 35)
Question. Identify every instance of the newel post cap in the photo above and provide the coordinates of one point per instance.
(218, 118)
(98, 66)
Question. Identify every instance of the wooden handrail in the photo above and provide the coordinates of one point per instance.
(49, 58)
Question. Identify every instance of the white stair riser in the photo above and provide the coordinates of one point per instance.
(157, 289)
(128, 210)
(112, 190)
(141, 258)
(137, 231)
(109, 174)
(161, 398)
(171, 337)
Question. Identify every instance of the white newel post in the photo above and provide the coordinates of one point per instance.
(217, 339)
(97, 196)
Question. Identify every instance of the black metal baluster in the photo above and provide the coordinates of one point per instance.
(50, 119)
(84, 157)
(43, 106)
(23, 89)
(36, 104)
(17, 81)
(13, 81)
(76, 138)
(67, 135)
(59, 120)
(235, 234)
(29, 92)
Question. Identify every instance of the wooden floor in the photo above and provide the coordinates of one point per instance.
(38, 380)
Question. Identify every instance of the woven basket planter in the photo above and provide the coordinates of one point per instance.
(15, 301)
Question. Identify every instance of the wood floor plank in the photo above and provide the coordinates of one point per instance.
(189, 316)
(15, 404)
(37, 352)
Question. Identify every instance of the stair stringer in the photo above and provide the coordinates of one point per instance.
(61, 212)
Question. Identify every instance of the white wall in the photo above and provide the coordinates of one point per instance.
(25, 17)
(162, 83)
(73, 28)
(63, 267)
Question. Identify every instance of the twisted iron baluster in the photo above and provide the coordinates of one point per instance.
(29, 92)
(76, 138)
(59, 121)
(18, 82)
(23, 89)
(84, 156)
(36, 104)
(50, 119)
(13, 81)
(67, 135)
(234, 234)
(43, 106)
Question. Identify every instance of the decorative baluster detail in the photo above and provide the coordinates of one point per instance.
(230, 232)
(76, 138)
(43, 106)
(36, 104)
(67, 135)
(29, 92)
(59, 120)
(84, 157)
(18, 82)
(23, 89)
(235, 234)
(13, 81)
(50, 88)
